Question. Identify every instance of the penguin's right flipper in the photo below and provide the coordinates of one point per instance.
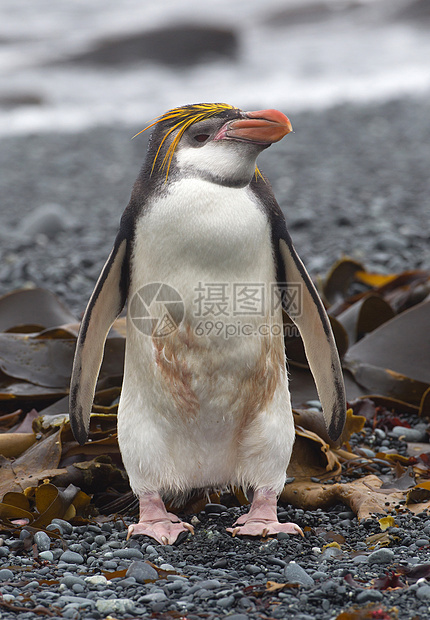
(105, 304)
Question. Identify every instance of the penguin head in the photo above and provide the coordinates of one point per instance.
(216, 141)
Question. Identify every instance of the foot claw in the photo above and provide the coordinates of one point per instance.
(265, 532)
(189, 527)
(164, 540)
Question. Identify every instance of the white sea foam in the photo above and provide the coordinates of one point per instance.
(353, 56)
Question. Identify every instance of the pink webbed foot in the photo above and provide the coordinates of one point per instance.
(261, 520)
(263, 527)
(156, 522)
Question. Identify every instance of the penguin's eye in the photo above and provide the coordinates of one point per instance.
(201, 137)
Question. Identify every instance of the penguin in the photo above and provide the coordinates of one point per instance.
(205, 260)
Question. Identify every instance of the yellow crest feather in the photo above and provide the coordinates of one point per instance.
(185, 116)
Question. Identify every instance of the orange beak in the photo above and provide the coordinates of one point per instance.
(263, 126)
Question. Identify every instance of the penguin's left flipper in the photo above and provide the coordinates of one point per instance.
(313, 323)
(104, 306)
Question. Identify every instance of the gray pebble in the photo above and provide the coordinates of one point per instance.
(6, 574)
(71, 557)
(65, 525)
(55, 527)
(331, 552)
(167, 567)
(4, 551)
(319, 575)
(71, 580)
(96, 580)
(391, 241)
(409, 434)
(48, 219)
(100, 540)
(127, 583)
(369, 596)
(141, 571)
(211, 584)
(294, 573)
(115, 605)
(153, 597)
(79, 601)
(42, 541)
(423, 593)
(31, 584)
(48, 556)
(381, 556)
(225, 602)
(57, 553)
(380, 433)
(128, 554)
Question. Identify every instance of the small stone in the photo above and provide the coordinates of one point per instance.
(380, 433)
(212, 584)
(100, 540)
(150, 550)
(153, 597)
(71, 580)
(128, 554)
(252, 569)
(294, 573)
(409, 434)
(55, 527)
(71, 557)
(369, 596)
(6, 574)
(316, 404)
(78, 601)
(65, 525)
(142, 571)
(47, 220)
(8, 598)
(221, 563)
(42, 541)
(167, 567)
(225, 602)
(391, 241)
(96, 580)
(47, 556)
(4, 551)
(115, 605)
(423, 593)
(381, 556)
(57, 553)
(215, 509)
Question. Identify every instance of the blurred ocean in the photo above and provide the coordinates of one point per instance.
(288, 54)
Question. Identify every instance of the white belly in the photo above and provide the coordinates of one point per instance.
(202, 406)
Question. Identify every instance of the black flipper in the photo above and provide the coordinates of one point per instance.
(318, 340)
(105, 304)
(311, 320)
